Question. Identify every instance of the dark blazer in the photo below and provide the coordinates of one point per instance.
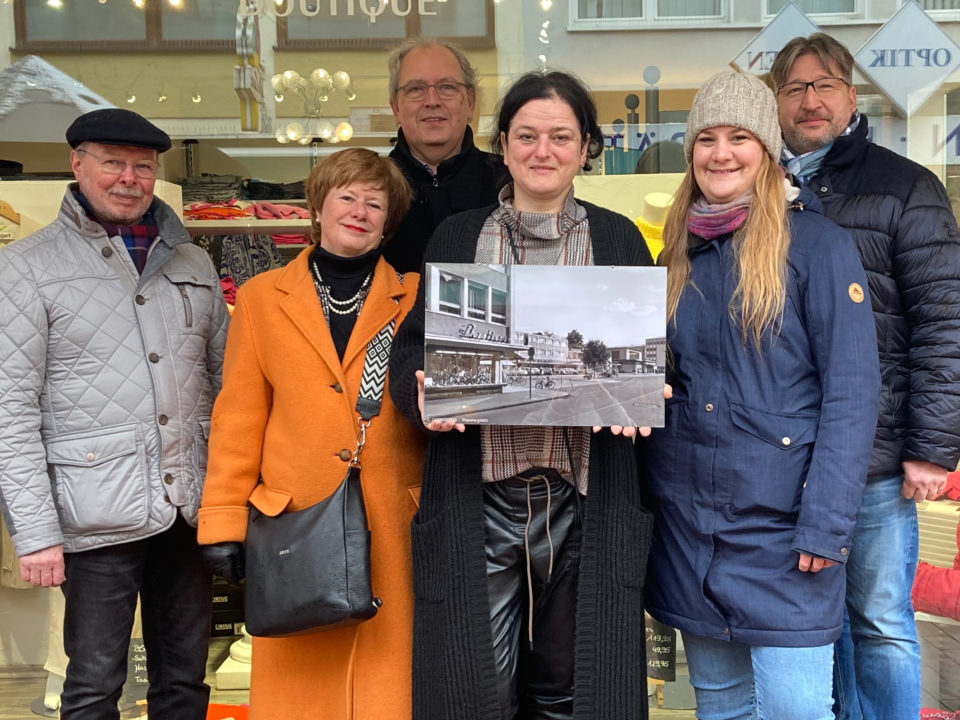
(453, 663)
(901, 220)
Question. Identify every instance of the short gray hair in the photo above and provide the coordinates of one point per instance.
(828, 49)
(399, 53)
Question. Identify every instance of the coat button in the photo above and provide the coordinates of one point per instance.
(168, 479)
(708, 407)
(843, 551)
(153, 357)
(785, 441)
(726, 631)
(345, 455)
(824, 188)
(336, 388)
(162, 419)
(106, 252)
(140, 299)
(90, 457)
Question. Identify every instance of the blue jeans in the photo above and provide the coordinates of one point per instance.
(878, 666)
(733, 681)
(101, 591)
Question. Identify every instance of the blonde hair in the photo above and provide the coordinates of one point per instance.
(760, 247)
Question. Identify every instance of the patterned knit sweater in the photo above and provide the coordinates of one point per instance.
(453, 663)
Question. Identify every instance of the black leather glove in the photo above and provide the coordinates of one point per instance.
(224, 559)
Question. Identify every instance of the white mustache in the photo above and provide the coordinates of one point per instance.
(135, 195)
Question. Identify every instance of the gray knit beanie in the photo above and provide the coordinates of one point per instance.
(739, 99)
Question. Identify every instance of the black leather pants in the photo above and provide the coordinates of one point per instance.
(532, 584)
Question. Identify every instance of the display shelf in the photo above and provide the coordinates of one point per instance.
(247, 226)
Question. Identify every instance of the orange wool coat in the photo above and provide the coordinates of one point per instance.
(286, 415)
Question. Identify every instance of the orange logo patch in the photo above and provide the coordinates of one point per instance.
(855, 292)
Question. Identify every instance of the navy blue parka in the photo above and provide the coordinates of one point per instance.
(764, 454)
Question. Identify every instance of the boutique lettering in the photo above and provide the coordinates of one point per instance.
(336, 8)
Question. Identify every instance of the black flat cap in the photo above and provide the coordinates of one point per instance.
(116, 126)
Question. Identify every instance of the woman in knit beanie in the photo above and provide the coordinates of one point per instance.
(756, 478)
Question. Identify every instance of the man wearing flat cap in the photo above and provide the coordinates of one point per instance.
(112, 330)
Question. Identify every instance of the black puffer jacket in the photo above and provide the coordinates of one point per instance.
(901, 220)
(470, 179)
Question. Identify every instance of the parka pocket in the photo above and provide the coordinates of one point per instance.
(771, 457)
(634, 547)
(101, 480)
(196, 293)
(431, 548)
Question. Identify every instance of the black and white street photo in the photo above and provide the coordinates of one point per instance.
(545, 345)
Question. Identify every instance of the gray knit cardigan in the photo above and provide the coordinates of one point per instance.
(453, 661)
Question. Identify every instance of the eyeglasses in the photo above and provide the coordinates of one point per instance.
(826, 88)
(446, 90)
(143, 169)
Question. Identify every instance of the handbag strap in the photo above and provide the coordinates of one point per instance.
(373, 380)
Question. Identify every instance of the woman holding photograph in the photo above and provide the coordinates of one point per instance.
(284, 431)
(529, 544)
(756, 478)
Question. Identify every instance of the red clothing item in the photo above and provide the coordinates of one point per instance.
(936, 590)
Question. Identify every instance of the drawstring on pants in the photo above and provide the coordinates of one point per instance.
(526, 547)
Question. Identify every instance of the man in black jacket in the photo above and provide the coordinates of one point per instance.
(433, 94)
(899, 215)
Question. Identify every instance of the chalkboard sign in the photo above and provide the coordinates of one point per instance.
(661, 651)
(136, 686)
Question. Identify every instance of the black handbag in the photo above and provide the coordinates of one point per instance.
(309, 571)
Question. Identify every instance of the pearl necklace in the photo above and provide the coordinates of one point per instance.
(339, 307)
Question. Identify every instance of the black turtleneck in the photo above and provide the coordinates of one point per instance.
(344, 276)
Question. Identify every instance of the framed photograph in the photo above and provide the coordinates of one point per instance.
(545, 344)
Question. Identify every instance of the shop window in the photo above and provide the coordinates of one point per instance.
(477, 301)
(451, 294)
(638, 13)
(128, 26)
(498, 307)
(344, 25)
(814, 7)
(939, 4)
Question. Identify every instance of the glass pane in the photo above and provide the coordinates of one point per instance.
(813, 6)
(498, 306)
(688, 8)
(610, 8)
(477, 301)
(454, 19)
(200, 20)
(450, 293)
(85, 20)
(324, 26)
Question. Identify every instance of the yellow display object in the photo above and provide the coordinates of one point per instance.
(652, 217)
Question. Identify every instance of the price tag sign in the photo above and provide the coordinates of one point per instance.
(661, 651)
(137, 683)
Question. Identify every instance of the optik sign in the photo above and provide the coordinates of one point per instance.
(908, 58)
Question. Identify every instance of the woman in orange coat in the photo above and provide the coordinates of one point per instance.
(284, 428)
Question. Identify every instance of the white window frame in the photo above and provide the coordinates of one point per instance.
(832, 18)
(649, 19)
(938, 15)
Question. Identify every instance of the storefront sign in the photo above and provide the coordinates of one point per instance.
(759, 54)
(908, 58)
(338, 8)
(470, 331)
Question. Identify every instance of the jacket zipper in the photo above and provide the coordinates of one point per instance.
(187, 309)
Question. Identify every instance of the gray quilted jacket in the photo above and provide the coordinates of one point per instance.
(107, 380)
